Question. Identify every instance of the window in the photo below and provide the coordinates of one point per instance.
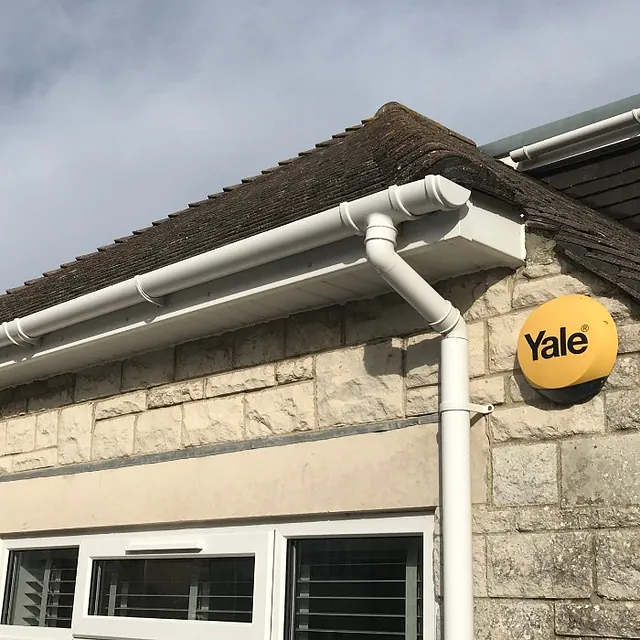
(40, 587)
(219, 589)
(355, 588)
(330, 580)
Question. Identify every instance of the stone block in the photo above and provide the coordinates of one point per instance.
(74, 434)
(240, 380)
(12, 402)
(503, 340)
(6, 464)
(121, 405)
(491, 297)
(148, 370)
(578, 518)
(623, 409)
(382, 317)
(487, 391)
(158, 430)
(626, 372)
(47, 429)
(621, 309)
(294, 370)
(175, 393)
(525, 475)
(629, 338)
(50, 394)
(35, 460)
(312, 331)
(540, 565)
(603, 620)
(204, 357)
(532, 293)
(618, 565)
(280, 410)
(524, 422)
(113, 438)
(360, 385)
(423, 356)
(513, 620)
(603, 470)
(213, 421)
(489, 520)
(423, 401)
(521, 391)
(259, 344)
(98, 382)
(21, 434)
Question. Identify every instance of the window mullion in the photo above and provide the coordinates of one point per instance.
(45, 593)
(411, 594)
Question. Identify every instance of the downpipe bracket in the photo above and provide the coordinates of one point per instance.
(472, 407)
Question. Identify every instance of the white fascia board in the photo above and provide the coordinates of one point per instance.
(482, 235)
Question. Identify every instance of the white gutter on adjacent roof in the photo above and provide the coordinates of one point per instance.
(375, 217)
(581, 140)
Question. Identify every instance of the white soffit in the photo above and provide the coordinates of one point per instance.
(482, 235)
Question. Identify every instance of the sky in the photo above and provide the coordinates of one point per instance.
(114, 113)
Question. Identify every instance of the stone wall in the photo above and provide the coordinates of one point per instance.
(557, 520)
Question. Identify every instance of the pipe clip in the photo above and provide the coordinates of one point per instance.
(472, 407)
(158, 302)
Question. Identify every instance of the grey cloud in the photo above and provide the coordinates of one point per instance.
(114, 113)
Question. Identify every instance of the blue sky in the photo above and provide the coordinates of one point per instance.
(113, 113)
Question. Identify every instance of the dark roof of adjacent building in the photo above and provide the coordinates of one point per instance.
(606, 179)
(396, 146)
(501, 148)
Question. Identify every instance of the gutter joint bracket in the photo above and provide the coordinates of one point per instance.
(158, 302)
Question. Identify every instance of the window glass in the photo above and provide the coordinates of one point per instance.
(355, 588)
(215, 589)
(40, 588)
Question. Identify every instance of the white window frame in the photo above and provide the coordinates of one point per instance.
(342, 528)
(15, 632)
(213, 543)
(267, 542)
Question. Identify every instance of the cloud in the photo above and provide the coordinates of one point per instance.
(113, 114)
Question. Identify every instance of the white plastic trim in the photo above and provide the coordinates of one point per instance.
(581, 140)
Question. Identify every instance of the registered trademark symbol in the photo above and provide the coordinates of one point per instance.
(584, 328)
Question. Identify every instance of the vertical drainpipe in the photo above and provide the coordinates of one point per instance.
(455, 450)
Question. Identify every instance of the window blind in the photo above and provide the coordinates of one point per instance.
(353, 588)
(40, 588)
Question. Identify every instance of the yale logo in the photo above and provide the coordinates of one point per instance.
(553, 347)
(567, 348)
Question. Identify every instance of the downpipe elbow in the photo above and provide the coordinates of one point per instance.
(380, 243)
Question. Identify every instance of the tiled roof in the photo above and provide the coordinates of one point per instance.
(396, 146)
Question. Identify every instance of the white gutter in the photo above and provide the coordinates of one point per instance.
(581, 140)
(402, 203)
(376, 217)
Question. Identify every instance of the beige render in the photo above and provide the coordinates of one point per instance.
(556, 490)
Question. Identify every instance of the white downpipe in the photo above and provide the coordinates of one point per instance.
(406, 202)
(591, 136)
(455, 425)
